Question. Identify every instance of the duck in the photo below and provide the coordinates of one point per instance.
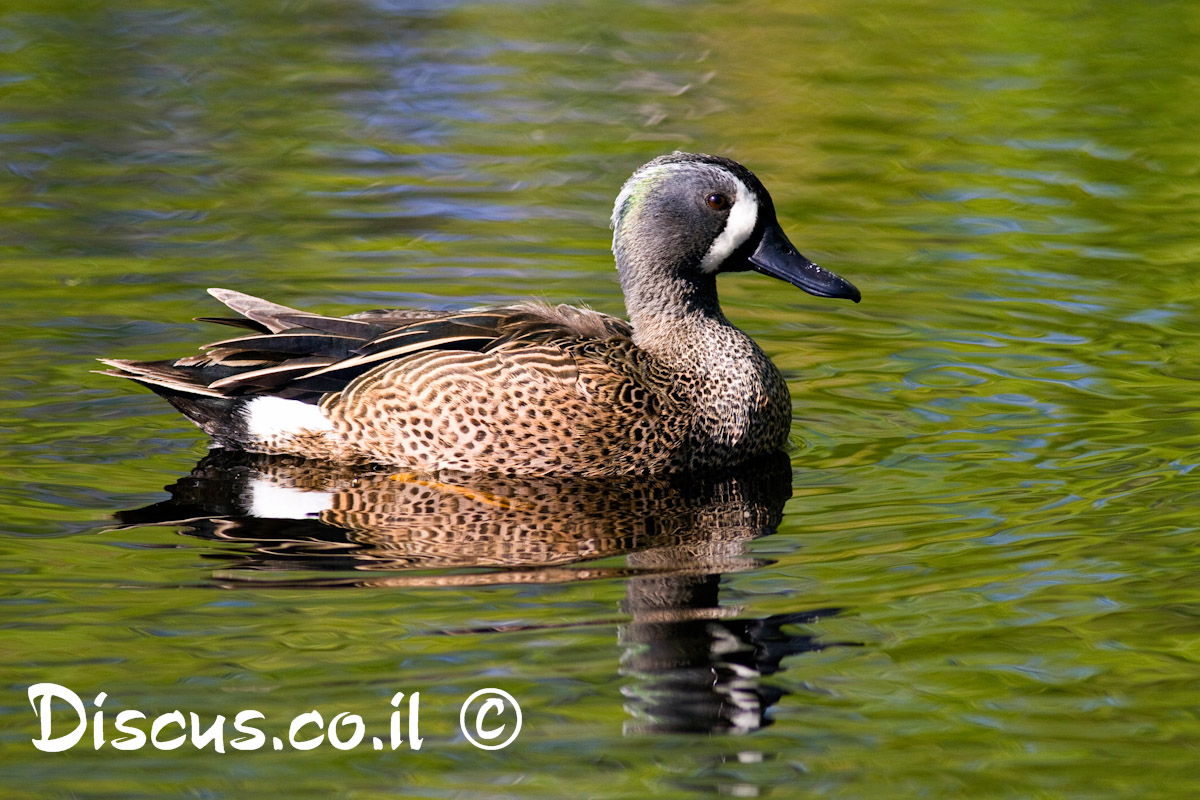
(530, 388)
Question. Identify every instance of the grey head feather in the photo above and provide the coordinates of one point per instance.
(663, 229)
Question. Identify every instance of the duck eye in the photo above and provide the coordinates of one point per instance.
(717, 201)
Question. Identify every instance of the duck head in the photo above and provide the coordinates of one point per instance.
(683, 218)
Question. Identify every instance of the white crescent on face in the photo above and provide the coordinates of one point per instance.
(743, 216)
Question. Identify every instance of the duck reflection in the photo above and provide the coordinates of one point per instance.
(694, 665)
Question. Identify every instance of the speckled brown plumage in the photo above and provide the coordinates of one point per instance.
(527, 389)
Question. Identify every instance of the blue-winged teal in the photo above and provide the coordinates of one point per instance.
(530, 388)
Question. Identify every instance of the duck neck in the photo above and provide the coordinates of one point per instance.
(671, 315)
(737, 396)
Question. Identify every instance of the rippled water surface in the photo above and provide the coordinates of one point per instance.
(977, 577)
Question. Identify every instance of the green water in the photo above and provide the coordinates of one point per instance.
(984, 581)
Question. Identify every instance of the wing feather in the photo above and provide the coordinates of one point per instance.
(301, 355)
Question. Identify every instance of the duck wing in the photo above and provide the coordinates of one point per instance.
(298, 355)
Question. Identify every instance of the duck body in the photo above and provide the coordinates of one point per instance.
(528, 389)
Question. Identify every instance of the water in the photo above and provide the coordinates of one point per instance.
(983, 581)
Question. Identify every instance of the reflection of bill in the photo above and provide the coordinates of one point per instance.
(489, 722)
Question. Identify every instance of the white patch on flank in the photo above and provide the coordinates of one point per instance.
(273, 417)
(268, 500)
(738, 227)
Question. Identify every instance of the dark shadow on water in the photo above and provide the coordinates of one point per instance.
(694, 665)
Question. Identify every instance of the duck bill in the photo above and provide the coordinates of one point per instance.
(775, 256)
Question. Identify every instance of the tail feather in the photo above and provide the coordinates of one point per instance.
(161, 375)
(186, 389)
(214, 415)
